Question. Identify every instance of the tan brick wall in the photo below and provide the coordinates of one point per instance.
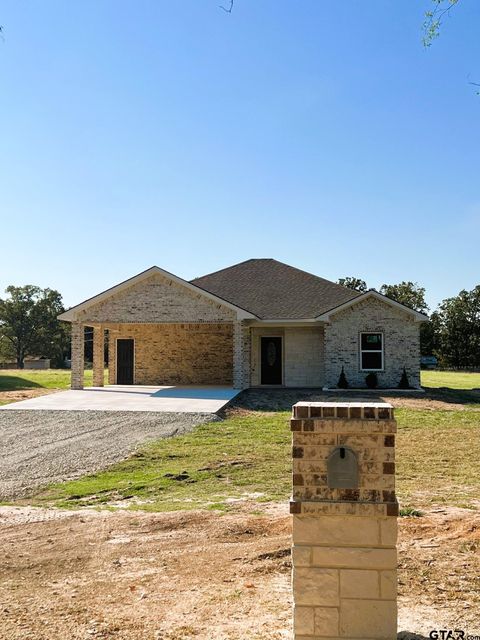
(303, 355)
(98, 356)
(194, 353)
(344, 540)
(241, 355)
(304, 351)
(78, 359)
(401, 344)
(157, 299)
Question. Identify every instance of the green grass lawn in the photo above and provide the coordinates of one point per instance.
(20, 379)
(16, 379)
(450, 379)
(249, 455)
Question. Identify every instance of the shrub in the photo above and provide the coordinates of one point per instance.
(404, 382)
(371, 380)
(342, 380)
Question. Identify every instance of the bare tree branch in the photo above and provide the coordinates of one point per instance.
(227, 9)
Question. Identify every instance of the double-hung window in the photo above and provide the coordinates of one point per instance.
(371, 351)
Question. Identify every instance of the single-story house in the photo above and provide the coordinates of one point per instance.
(257, 323)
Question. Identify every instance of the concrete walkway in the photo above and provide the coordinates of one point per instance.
(132, 398)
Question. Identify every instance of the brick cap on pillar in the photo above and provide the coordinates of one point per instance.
(344, 410)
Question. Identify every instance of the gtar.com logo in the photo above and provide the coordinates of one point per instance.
(451, 634)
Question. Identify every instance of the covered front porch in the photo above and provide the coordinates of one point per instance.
(163, 354)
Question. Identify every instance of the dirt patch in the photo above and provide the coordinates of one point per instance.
(24, 394)
(202, 575)
(283, 399)
(439, 569)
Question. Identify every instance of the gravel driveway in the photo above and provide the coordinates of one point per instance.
(39, 447)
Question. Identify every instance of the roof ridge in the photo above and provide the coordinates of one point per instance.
(309, 273)
(237, 264)
(269, 288)
(284, 264)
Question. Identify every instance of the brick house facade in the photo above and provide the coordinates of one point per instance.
(259, 323)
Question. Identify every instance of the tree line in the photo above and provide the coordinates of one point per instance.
(453, 333)
(29, 324)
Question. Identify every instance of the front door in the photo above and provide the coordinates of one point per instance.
(271, 360)
(124, 361)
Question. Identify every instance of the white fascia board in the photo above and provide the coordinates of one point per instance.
(71, 314)
(287, 323)
(418, 317)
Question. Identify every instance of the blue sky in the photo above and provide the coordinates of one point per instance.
(168, 132)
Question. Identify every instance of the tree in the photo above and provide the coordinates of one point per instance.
(7, 354)
(458, 321)
(433, 19)
(28, 322)
(353, 283)
(429, 336)
(408, 293)
(412, 295)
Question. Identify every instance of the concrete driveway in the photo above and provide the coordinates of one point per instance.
(132, 398)
(40, 447)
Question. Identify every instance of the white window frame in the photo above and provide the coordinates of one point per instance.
(362, 351)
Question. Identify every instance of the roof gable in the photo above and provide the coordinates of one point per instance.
(91, 305)
(417, 316)
(273, 290)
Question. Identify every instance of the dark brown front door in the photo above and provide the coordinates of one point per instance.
(125, 361)
(271, 359)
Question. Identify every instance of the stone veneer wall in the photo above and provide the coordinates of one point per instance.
(401, 344)
(303, 355)
(344, 540)
(193, 353)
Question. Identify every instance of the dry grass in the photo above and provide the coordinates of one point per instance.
(437, 454)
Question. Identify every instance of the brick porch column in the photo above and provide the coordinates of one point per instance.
(78, 351)
(344, 521)
(241, 355)
(98, 356)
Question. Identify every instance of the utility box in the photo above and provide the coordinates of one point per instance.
(344, 521)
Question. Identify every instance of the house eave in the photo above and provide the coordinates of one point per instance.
(285, 322)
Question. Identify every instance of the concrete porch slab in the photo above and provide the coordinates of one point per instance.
(132, 398)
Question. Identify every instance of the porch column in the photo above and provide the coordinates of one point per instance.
(98, 356)
(241, 355)
(78, 351)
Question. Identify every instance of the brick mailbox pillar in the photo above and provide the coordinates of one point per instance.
(344, 521)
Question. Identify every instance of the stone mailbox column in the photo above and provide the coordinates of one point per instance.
(344, 521)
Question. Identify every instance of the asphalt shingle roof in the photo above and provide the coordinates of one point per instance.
(274, 290)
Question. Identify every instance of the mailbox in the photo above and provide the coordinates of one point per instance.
(342, 469)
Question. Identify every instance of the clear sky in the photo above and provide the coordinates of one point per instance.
(168, 132)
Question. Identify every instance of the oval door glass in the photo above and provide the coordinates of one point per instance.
(271, 360)
(271, 353)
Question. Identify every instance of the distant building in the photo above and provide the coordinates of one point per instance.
(428, 362)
